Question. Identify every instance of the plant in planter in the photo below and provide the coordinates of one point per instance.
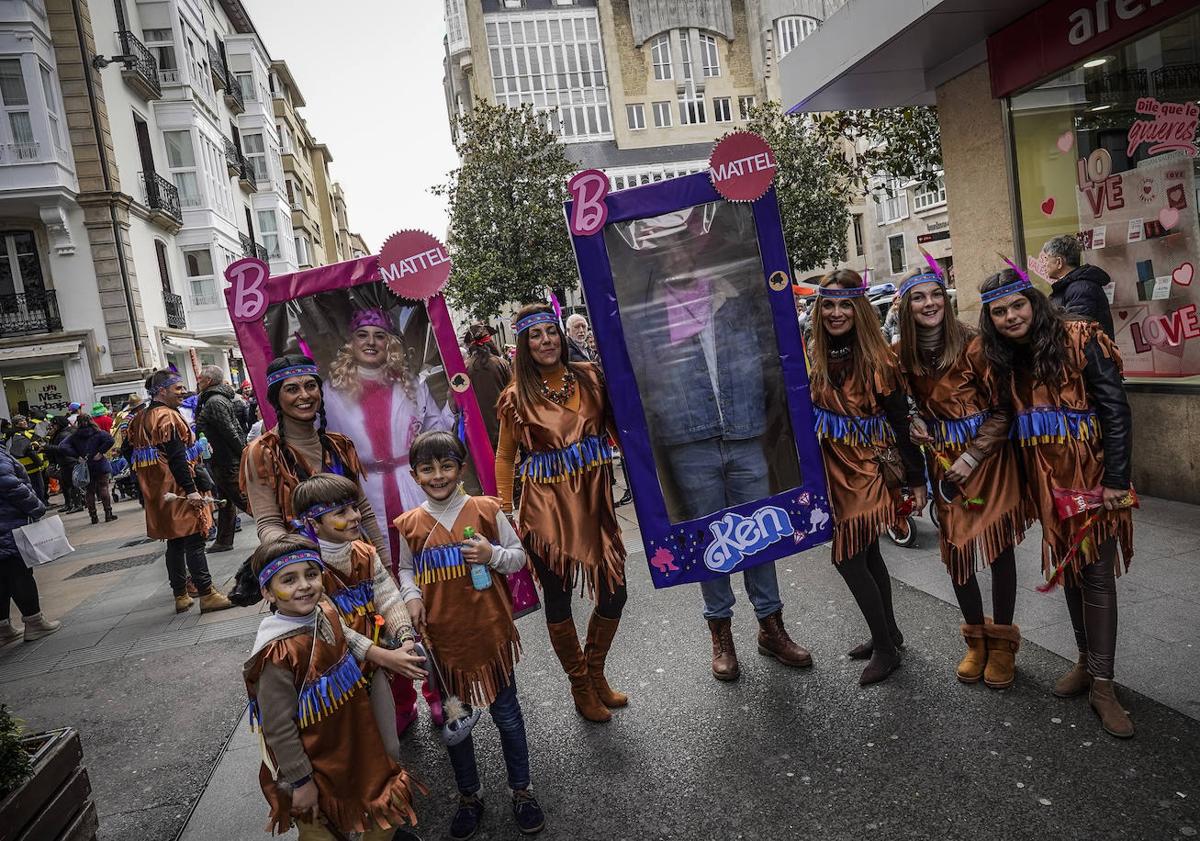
(15, 767)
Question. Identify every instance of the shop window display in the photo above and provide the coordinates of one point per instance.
(1108, 151)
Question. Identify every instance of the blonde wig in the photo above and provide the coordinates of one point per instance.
(343, 371)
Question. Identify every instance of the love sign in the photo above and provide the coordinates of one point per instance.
(414, 264)
(742, 167)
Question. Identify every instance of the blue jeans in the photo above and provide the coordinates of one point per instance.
(506, 712)
(714, 474)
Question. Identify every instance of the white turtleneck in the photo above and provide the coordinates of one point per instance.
(388, 600)
(507, 557)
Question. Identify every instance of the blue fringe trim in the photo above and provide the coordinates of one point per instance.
(1048, 424)
(255, 716)
(839, 427)
(355, 601)
(439, 563)
(145, 456)
(955, 432)
(557, 465)
(320, 697)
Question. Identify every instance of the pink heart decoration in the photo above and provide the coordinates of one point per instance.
(1048, 207)
(1169, 217)
(1182, 275)
(1123, 314)
(1065, 141)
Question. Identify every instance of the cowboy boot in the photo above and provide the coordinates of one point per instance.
(1076, 681)
(212, 600)
(773, 641)
(724, 657)
(1113, 718)
(1002, 644)
(600, 635)
(971, 667)
(566, 645)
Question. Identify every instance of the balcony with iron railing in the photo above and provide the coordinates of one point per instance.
(234, 160)
(162, 197)
(140, 69)
(29, 312)
(216, 65)
(174, 306)
(250, 248)
(233, 95)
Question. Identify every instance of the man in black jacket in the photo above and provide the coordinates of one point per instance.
(216, 417)
(1077, 289)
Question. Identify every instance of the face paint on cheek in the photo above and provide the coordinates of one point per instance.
(339, 523)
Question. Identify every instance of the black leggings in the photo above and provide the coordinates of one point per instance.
(867, 577)
(1093, 610)
(17, 584)
(185, 556)
(1004, 592)
(557, 593)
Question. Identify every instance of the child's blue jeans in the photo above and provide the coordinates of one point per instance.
(506, 712)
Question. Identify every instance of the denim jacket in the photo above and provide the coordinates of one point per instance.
(674, 381)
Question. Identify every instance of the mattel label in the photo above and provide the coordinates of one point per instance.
(742, 167)
(414, 264)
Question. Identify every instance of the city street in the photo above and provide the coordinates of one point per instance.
(779, 754)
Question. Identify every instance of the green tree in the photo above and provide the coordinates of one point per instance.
(903, 143)
(507, 234)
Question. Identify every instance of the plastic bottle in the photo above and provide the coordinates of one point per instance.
(481, 576)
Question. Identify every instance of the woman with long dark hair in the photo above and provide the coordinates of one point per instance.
(861, 410)
(1074, 431)
(559, 412)
(981, 513)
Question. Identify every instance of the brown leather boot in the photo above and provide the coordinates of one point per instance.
(599, 639)
(773, 641)
(970, 668)
(1076, 681)
(213, 600)
(1002, 644)
(724, 657)
(1113, 718)
(566, 645)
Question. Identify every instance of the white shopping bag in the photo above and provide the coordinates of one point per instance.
(43, 541)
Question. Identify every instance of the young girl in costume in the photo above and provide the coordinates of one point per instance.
(968, 455)
(356, 580)
(447, 541)
(323, 761)
(860, 409)
(558, 411)
(1074, 431)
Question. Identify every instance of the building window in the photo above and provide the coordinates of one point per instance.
(893, 202)
(791, 30)
(20, 267)
(896, 253)
(622, 178)
(15, 99)
(927, 199)
(52, 109)
(256, 157)
(857, 221)
(636, 114)
(198, 265)
(164, 273)
(722, 109)
(745, 104)
(285, 138)
(457, 36)
(691, 108)
(685, 54)
(662, 114)
(246, 83)
(660, 56)
(181, 163)
(161, 43)
(268, 229)
(303, 250)
(553, 61)
(710, 59)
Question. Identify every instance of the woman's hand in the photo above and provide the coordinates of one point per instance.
(304, 802)
(416, 612)
(195, 499)
(398, 661)
(1113, 499)
(477, 550)
(918, 431)
(920, 498)
(960, 471)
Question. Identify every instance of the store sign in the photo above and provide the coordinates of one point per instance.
(46, 393)
(1173, 127)
(1064, 32)
(934, 237)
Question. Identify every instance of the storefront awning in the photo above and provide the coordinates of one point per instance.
(184, 343)
(39, 351)
(884, 53)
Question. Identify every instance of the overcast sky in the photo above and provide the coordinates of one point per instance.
(371, 73)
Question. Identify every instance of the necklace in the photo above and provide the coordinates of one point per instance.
(561, 396)
(838, 353)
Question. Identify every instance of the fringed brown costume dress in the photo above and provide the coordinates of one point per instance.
(959, 409)
(359, 787)
(149, 431)
(263, 455)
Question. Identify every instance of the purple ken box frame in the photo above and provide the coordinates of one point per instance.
(744, 535)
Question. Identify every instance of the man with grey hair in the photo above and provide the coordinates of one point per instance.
(216, 418)
(577, 339)
(1077, 289)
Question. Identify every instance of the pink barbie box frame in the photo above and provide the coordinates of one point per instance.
(252, 291)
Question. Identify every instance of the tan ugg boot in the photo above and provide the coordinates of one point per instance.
(1076, 681)
(599, 639)
(970, 668)
(1002, 644)
(1113, 718)
(566, 645)
(38, 626)
(213, 600)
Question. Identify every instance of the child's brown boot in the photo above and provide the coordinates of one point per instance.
(1002, 644)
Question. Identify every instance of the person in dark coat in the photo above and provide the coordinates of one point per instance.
(217, 419)
(90, 444)
(1077, 289)
(489, 374)
(19, 505)
(58, 434)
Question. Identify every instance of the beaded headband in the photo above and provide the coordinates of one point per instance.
(1020, 284)
(298, 557)
(841, 292)
(304, 370)
(372, 317)
(168, 382)
(924, 277)
(536, 318)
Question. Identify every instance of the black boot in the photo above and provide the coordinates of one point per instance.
(863, 650)
(882, 664)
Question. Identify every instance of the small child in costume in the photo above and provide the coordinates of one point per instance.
(356, 581)
(470, 630)
(323, 761)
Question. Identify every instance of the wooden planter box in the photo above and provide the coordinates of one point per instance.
(55, 804)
